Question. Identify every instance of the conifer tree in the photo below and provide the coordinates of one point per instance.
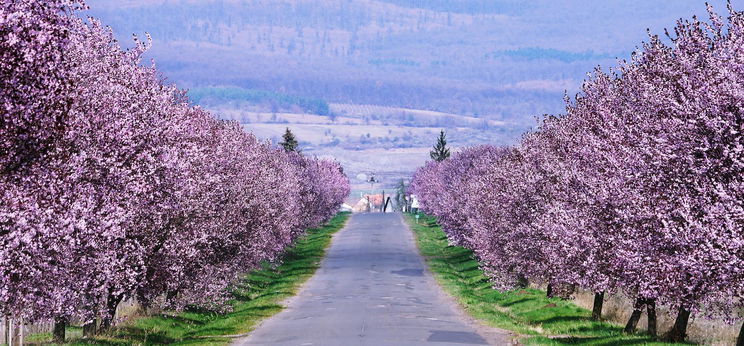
(289, 142)
(440, 151)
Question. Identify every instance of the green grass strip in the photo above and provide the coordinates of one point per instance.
(537, 320)
(257, 296)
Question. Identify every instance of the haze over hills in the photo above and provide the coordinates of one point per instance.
(371, 82)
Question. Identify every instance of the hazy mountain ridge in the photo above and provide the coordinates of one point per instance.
(465, 57)
(500, 63)
(337, 50)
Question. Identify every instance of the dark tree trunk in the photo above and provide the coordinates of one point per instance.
(651, 310)
(112, 302)
(679, 331)
(740, 340)
(89, 329)
(171, 295)
(632, 324)
(522, 282)
(550, 291)
(145, 306)
(59, 330)
(598, 302)
(571, 290)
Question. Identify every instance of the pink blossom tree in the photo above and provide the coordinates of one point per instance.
(637, 188)
(113, 186)
(439, 187)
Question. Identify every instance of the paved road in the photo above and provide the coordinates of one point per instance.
(372, 289)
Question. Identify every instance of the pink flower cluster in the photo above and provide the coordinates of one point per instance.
(112, 186)
(638, 188)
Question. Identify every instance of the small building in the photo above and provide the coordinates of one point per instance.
(368, 203)
(346, 208)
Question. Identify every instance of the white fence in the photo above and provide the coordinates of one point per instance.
(12, 335)
(13, 331)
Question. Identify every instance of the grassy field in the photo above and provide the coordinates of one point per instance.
(257, 296)
(538, 320)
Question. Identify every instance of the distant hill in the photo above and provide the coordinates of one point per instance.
(257, 99)
(393, 69)
(497, 59)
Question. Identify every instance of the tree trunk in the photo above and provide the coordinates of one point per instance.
(679, 331)
(522, 281)
(145, 309)
(171, 295)
(632, 324)
(59, 330)
(89, 328)
(571, 290)
(597, 308)
(651, 310)
(550, 291)
(740, 340)
(112, 302)
(16, 332)
(598, 302)
(7, 330)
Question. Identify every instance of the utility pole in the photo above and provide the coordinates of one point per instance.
(372, 180)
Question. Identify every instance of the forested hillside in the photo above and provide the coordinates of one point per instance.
(505, 62)
(498, 59)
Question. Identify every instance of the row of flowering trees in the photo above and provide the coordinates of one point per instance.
(638, 188)
(112, 186)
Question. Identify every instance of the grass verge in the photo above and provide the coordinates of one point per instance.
(537, 320)
(257, 296)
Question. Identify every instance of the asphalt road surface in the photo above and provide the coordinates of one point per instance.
(372, 289)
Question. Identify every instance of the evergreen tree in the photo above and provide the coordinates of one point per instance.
(289, 142)
(400, 195)
(440, 151)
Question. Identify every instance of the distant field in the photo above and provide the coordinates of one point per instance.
(390, 142)
(415, 116)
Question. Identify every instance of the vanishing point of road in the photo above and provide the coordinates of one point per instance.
(373, 289)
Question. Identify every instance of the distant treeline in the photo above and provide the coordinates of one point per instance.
(536, 53)
(276, 101)
(465, 6)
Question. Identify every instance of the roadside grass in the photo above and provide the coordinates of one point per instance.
(536, 319)
(256, 297)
